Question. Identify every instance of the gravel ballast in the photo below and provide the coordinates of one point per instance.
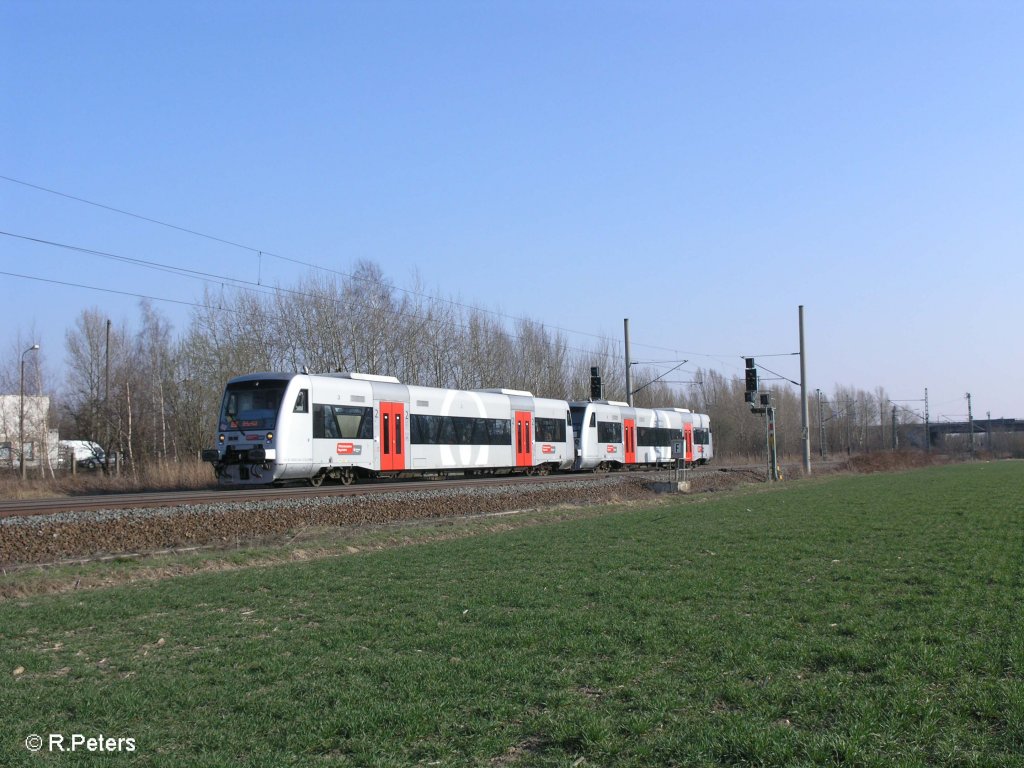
(52, 538)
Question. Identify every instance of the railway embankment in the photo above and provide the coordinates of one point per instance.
(54, 538)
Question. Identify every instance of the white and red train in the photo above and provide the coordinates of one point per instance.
(277, 427)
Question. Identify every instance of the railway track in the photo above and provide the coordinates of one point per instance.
(161, 499)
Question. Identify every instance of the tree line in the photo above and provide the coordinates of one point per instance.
(151, 394)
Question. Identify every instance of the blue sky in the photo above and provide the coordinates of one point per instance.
(701, 168)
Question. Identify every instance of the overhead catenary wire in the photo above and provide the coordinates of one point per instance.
(210, 278)
(264, 252)
(112, 290)
(247, 286)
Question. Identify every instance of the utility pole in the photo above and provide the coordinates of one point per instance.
(970, 422)
(804, 415)
(988, 429)
(851, 415)
(895, 437)
(821, 429)
(927, 424)
(629, 366)
(106, 408)
(21, 422)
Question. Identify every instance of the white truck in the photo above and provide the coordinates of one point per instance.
(85, 453)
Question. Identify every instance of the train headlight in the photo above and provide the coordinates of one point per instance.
(270, 437)
(221, 438)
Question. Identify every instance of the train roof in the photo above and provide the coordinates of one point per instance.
(364, 377)
(263, 376)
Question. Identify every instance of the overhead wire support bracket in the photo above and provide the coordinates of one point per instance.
(666, 373)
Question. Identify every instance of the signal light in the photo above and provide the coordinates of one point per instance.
(596, 388)
(751, 375)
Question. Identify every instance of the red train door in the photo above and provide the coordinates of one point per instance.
(629, 439)
(392, 437)
(524, 439)
(688, 436)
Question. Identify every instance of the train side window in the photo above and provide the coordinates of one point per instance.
(324, 423)
(302, 402)
(353, 422)
(593, 419)
(549, 430)
(609, 432)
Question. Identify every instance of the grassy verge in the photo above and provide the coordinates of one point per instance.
(300, 544)
(854, 620)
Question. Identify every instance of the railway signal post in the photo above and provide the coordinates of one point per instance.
(761, 402)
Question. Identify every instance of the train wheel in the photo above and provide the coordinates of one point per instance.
(348, 476)
(316, 480)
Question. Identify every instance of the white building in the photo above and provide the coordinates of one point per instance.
(41, 443)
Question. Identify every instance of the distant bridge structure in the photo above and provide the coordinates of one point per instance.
(981, 426)
(939, 429)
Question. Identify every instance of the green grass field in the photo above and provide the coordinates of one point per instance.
(844, 621)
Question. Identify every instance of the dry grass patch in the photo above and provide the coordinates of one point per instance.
(154, 476)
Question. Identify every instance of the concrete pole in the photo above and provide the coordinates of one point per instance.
(970, 422)
(927, 424)
(21, 422)
(821, 428)
(106, 408)
(804, 414)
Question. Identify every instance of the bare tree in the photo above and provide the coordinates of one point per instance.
(85, 345)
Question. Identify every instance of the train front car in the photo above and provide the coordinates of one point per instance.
(260, 428)
(342, 426)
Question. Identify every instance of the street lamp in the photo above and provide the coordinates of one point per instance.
(21, 423)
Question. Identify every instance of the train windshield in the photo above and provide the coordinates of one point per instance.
(251, 405)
